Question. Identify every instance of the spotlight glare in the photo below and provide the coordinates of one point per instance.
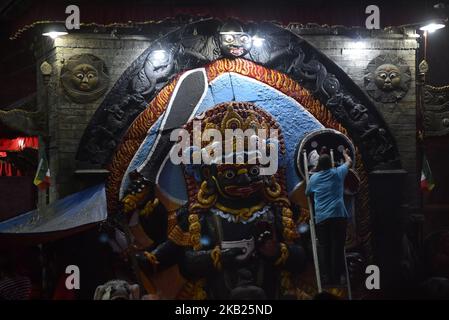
(431, 27)
(54, 34)
(359, 45)
(159, 57)
(258, 42)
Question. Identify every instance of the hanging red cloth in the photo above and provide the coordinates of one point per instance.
(8, 170)
(5, 169)
(19, 143)
(61, 292)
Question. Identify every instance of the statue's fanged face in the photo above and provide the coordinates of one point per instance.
(239, 181)
(84, 77)
(236, 44)
(388, 77)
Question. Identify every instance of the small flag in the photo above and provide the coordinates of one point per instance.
(42, 178)
(427, 183)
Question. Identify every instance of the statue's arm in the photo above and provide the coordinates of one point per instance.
(162, 257)
(198, 263)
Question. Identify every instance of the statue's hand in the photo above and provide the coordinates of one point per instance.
(149, 207)
(129, 204)
(147, 259)
(229, 256)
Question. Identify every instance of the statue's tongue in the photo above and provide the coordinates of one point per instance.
(236, 51)
(241, 190)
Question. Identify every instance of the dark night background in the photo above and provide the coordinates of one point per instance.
(17, 62)
(18, 67)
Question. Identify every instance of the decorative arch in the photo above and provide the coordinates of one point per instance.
(198, 44)
(285, 62)
(138, 130)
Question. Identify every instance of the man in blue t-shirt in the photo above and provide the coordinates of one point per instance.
(327, 187)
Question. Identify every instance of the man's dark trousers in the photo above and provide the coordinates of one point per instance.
(331, 235)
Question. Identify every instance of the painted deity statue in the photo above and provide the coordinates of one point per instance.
(237, 236)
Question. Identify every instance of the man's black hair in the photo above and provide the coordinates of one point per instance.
(324, 162)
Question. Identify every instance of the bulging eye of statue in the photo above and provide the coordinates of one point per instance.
(254, 171)
(229, 174)
(229, 38)
(245, 39)
(383, 75)
(80, 76)
(393, 75)
(91, 75)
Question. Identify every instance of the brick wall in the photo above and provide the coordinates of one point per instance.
(400, 117)
(67, 120)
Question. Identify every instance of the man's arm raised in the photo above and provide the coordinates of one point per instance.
(348, 159)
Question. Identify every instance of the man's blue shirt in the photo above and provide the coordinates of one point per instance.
(327, 187)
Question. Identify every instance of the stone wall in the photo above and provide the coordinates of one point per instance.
(352, 56)
(67, 119)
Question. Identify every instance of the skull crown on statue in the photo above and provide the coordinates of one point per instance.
(234, 42)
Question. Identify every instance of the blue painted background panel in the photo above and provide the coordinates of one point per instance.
(295, 122)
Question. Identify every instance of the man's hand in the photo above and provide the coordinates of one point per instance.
(348, 159)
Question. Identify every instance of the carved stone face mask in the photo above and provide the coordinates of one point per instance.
(388, 77)
(85, 77)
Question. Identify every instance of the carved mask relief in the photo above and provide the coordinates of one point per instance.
(234, 42)
(387, 78)
(436, 111)
(84, 78)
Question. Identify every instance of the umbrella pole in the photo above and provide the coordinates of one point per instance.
(121, 221)
(44, 277)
